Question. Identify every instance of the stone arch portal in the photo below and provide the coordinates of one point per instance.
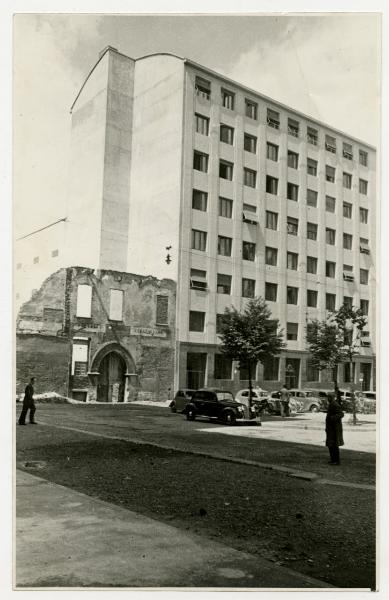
(114, 366)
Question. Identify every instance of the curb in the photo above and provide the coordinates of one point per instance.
(306, 475)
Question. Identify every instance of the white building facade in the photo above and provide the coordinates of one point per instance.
(247, 196)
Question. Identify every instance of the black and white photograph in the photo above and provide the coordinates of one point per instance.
(195, 296)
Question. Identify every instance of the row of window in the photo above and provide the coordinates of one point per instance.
(35, 260)
(115, 310)
(198, 281)
(197, 321)
(226, 171)
(227, 99)
(224, 243)
(200, 202)
(227, 135)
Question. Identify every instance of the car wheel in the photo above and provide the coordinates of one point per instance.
(229, 418)
(173, 408)
(190, 414)
(314, 408)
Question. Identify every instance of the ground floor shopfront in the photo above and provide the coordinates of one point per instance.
(204, 366)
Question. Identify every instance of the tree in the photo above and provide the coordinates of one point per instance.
(250, 336)
(335, 340)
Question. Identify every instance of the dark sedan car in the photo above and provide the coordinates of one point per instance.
(181, 399)
(218, 404)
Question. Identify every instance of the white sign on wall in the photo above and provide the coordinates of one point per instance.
(148, 332)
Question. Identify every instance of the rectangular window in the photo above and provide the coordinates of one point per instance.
(219, 323)
(312, 136)
(271, 256)
(248, 288)
(249, 177)
(271, 367)
(226, 134)
(291, 295)
(203, 88)
(330, 144)
(199, 200)
(292, 260)
(363, 187)
(348, 301)
(223, 284)
(249, 208)
(347, 151)
(202, 124)
(292, 225)
(224, 245)
(250, 143)
(84, 301)
(251, 109)
(226, 170)
(330, 174)
(54, 253)
(312, 298)
(223, 367)
(271, 185)
(228, 99)
(80, 351)
(347, 210)
(200, 161)
(347, 180)
(330, 302)
(312, 198)
(312, 265)
(271, 220)
(196, 320)
(364, 304)
(348, 273)
(292, 331)
(363, 158)
(271, 292)
(330, 268)
(162, 310)
(225, 207)
(199, 240)
(272, 151)
(312, 372)
(330, 204)
(116, 305)
(312, 231)
(364, 276)
(292, 191)
(364, 245)
(312, 167)
(293, 127)
(363, 215)
(293, 160)
(330, 236)
(273, 118)
(198, 279)
(248, 251)
(347, 241)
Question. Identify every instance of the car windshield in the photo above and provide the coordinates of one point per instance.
(224, 396)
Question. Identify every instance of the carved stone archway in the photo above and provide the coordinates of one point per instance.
(113, 374)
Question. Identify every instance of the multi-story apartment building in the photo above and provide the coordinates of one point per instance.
(247, 196)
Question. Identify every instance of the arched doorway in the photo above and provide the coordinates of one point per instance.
(111, 382)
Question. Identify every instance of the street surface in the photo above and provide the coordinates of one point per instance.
(266, 491)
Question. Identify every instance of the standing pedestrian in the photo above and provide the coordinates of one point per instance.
(28, 404)
(284, 401)
(334, 429)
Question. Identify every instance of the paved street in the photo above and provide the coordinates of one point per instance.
(156, 465)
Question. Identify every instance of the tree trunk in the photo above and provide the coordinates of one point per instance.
(352, 390)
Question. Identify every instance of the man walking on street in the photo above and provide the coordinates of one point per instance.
(284, 400)
(28, 404)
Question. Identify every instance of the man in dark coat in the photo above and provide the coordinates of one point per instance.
(334, 429)
(28, 404)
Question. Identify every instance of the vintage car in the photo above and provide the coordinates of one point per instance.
(259, 398)
(181, 399)
(217, 404)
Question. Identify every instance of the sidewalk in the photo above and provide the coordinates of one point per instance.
(65, 539)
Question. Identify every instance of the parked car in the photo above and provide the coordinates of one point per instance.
(274, 404)
(368, 400)
(181, 399)
(259, 399)
(218, 404)
(300, 401)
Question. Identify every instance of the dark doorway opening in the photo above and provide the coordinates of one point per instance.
(111, 383)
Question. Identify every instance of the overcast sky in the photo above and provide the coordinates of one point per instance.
(326, 66)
